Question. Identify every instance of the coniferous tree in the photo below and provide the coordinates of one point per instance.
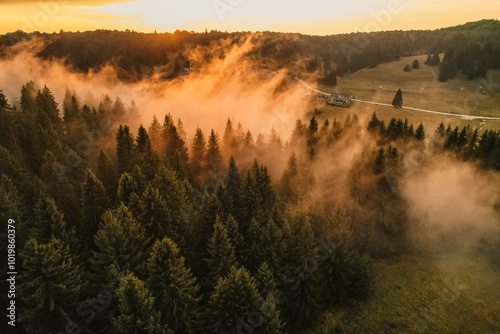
(441, 130)
(106, 172)
(176, 152)
(298, 133)
(146, 157)
(46, 103)
(180, 130)
(313, 126)
(407, 68)
(136, 309)
(175, 192)
(127, 187)
(59, 185)
(94, 202)
(7, 134)
(222, 255)
(198, 150)
(291, 187)
(155, 136)
(374, 123)
(174, 287)
(267, 242)
(303, 287)
(415, 65)
(213, 157)
(232, 185)
(236, 302)
(120, 244)
(420, 132)
(125, 145)
(397, 102)
(233, 232)
(228, 137)
(265, 280)
(10, 201)
(71, 108)
(155, 216)
(50, 286)
(28, 95)
(274, 143)
(50, 224)
(251, 201)
(435, 59)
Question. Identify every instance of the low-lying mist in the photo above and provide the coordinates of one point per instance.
(450, 200)
(446, 198)
(227, 87)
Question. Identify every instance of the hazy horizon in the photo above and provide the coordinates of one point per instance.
(317, 17)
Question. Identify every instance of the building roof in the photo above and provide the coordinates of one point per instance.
(340, 96)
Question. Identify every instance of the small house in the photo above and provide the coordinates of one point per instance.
(341, 100)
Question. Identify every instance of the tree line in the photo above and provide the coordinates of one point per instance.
(138, 55)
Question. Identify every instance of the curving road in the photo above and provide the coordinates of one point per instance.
(463, 116)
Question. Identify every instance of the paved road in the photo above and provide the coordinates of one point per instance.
(467, 117)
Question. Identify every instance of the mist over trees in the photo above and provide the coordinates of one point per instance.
(197, 236)
(476, 49)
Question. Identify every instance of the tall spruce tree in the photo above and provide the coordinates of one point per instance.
(136, 309)
(155, 136)
(125, 145)
(213, 157)
(222, 255)
(237, 306)
(94, 202)
(157, 219)
(50, 286)
(120, 243)
(147, 158)
(233, 184)
(106, 173)
(176, 152)
(127, 188)
(174, 287)
(49, 224)
(197, 163)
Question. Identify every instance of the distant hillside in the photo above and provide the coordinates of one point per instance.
(135, 54)
(492, 25)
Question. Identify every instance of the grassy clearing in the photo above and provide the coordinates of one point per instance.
(444, 294)
(420, 90)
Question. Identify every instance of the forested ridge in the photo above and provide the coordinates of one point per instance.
(472, 48)
(130, 228)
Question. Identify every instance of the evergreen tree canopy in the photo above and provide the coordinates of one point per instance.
(120, 242)
(94, 202)
(236, 305)
(50, 286)
(174, 287)
(137, 313)
(125, 145)
(222, 253)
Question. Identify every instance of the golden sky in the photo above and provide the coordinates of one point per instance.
(319, 17)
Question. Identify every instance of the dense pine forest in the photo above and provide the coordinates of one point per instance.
(125, 227)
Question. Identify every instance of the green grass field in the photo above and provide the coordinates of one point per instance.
(448, 293)
(421, 89)
(442, 294)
